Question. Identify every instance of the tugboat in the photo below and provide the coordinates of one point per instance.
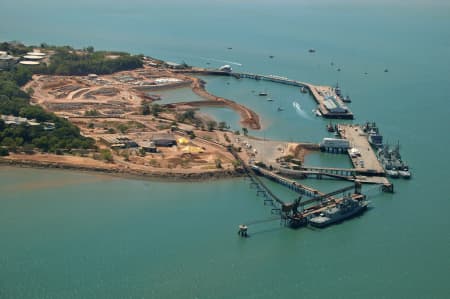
(346, 99)
(393, 173)
(330, 128)
(346, 209)
(404, 172)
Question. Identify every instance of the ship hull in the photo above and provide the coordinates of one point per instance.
(357, 211)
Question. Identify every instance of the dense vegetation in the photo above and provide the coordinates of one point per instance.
(63, 61)
(14, 101)
(67, 61)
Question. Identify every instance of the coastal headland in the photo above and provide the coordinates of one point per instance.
(134, 135)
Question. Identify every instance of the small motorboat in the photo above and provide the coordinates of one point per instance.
(346, 99)
(280, 108)
(330, 128)
(393, 173)
(404, 172)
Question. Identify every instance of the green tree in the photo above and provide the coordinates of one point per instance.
(8, 142)
(156, 109)
(4, 151)
(222, 125)
(92, 112)
(122, 128)
(105, 154)
(245, 131)
(218, 163)
(146, 109)
(21, 75)
(211, 125)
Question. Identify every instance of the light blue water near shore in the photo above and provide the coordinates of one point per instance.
(78, 235)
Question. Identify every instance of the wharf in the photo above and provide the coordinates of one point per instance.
(367, 160)
(320, 92)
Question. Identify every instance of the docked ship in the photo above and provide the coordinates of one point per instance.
(373, 134)
(346, 209)
(392, 162)
(330, 128)
(404, 172)
(346, 99)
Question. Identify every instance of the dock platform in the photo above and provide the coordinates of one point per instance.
(320, 95)
(367, 160)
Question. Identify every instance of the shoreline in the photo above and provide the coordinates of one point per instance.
(165, 176)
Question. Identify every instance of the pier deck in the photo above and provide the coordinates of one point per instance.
(358, 139)
(319, 93)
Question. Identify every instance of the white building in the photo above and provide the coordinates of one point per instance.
(6, 61)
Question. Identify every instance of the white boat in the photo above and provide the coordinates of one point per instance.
(317, 112)
(392, 173)
(405, 173)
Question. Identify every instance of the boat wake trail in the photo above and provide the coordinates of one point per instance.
(220, 60)
(299, 110)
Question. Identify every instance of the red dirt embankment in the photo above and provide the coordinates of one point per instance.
(88, 164)
(249, 118)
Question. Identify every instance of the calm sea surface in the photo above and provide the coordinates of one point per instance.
(80, 235)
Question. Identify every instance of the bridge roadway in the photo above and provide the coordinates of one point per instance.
(251, 174)
(291, 184)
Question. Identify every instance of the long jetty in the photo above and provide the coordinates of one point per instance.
(319, 93)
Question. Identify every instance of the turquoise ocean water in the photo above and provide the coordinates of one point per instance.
(78, 235)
